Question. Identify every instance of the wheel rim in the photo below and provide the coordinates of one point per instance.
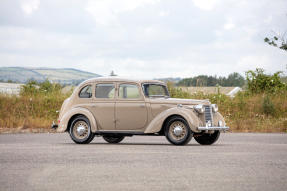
(81, 130)
(177, 130)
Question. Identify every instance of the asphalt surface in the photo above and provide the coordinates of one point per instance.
(54, 162)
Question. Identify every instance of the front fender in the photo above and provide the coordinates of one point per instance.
(156, 124)
(63, 125)
(216, 117)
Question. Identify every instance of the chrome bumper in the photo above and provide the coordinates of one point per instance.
(206, 128)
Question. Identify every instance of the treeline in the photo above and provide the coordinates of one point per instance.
(234, 79)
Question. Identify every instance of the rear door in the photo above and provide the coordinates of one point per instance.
(130, 110)
(103, 106)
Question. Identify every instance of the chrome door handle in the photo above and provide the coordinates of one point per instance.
(142, 105)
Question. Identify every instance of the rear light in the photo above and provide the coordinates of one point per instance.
(58, 121)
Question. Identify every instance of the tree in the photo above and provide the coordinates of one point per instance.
(234, 79)
(278, 40)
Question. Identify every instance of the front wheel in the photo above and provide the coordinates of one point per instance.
(177, 131)
(113, 139)
(80, 130)
(207, 138)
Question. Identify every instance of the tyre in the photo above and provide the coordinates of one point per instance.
(80, 130)
(207, 138)
(177, 131)
(113, 139)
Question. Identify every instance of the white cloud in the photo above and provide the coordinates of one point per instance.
(206, 5)
(105, 12)
(29, 6)
(229, 25)
(163, 13)
(252, 62)
(142, 38)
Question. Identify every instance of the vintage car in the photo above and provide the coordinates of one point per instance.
(113, 108)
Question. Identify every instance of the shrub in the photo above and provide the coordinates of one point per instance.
(258, 82)
(268, 106)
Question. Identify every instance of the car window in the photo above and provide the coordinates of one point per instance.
(129, 91)
(105, 91)
(86, 92)
(155, 90)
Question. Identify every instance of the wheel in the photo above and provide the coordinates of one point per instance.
(177, 131)
(113, 139)
(207, 138)
(80, 130)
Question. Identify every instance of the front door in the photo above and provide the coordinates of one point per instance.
(130, 110)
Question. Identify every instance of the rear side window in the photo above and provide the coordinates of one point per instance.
(86, 92)
(129, 91)
(105, 91)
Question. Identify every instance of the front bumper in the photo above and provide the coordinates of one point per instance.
(206, 128)
(54, 125)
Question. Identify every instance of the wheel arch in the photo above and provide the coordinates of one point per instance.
(158, 122)
(68, 117)
(72, 118)
(161, 132)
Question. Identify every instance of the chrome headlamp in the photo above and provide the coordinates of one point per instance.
(214, 108)
(199, 108)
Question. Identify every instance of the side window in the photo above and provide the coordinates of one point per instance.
(86, 92)
(105, 91)
(129, 91)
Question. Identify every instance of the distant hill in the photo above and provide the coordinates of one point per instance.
(61, 75)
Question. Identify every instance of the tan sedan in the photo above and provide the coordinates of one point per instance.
(114, 108)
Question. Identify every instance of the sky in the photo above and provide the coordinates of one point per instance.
(143, 38)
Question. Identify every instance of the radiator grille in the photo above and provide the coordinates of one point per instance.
(208, 114)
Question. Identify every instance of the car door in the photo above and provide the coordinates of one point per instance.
(130, 111)
(103, 106)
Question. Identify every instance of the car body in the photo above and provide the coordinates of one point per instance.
(114, 107)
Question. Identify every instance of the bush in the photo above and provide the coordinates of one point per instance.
(33, 88)
(268, 106)
(258, 82)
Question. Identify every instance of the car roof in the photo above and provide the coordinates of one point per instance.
(119, 79)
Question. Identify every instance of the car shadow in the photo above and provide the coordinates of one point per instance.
(148, 144)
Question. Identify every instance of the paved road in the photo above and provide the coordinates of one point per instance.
(53, 162)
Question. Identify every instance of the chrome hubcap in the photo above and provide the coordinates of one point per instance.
(81, 130)
(177, 130)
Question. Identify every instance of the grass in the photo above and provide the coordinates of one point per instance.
(247, 112)
(35, 111)
(29, 111)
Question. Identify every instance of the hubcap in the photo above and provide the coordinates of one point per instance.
(81, 130)
(177, 130)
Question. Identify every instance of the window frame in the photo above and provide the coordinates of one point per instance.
(115, 87)
(82, 87)
(129, 83)
(147, 96)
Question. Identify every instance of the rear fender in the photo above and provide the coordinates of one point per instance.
(64, 121)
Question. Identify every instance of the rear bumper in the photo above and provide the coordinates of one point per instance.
(206, 128)
(54, 125)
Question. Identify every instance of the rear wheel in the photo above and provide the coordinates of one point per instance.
(80, 130)
(177, 131)
(207, 138)
(113, 139)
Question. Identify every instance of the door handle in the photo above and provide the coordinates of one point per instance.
(142, 105)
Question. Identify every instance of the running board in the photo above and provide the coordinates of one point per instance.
(125, 133)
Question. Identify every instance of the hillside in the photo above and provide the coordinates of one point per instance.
(61, 75)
